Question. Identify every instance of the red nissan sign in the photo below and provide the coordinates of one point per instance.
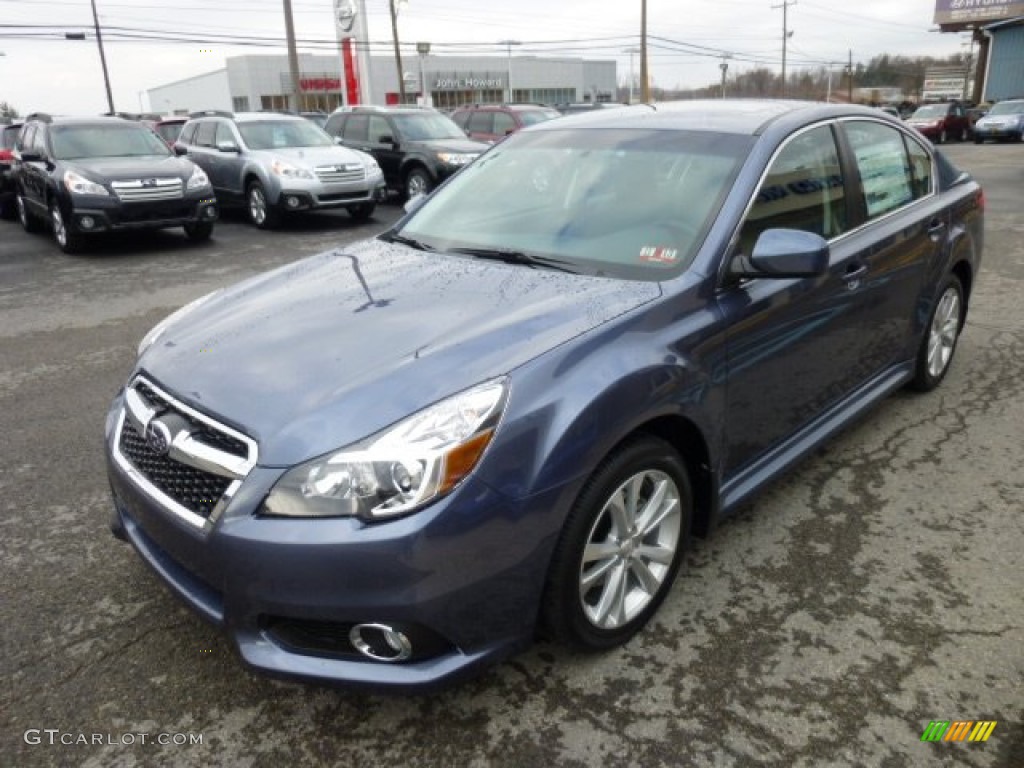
(320, 83)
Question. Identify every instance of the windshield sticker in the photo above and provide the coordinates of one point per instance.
(658, 255)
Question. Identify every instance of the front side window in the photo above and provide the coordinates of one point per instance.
(379, 127)
(481, 122)
(884, 168)
(205, 133)
(503, 123)
(71, 142)
(282, 134)
(632, 204)
(225, 135)
(803, 189)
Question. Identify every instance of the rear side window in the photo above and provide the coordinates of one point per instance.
(804, 189)
(504, 123)
(884, 168)
(481, 122)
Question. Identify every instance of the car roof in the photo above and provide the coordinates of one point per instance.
(71, 120)
(738, 116)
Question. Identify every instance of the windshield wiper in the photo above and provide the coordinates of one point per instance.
(419, 245)
(510, 256)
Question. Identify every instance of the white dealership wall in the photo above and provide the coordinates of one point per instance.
(245, 80)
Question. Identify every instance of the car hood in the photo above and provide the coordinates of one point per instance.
(467, 146)
(998, 120)
(119, 168)
(324, 352)
(314, 156)
(924, 120)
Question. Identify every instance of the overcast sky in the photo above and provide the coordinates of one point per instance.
(48, 73)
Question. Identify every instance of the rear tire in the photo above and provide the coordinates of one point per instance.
(621, 547)
(940, 337)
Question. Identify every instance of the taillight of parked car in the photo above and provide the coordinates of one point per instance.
(6, 156)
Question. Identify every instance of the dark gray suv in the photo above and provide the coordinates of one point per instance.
(274, 163)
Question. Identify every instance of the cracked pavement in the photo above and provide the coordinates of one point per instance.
(874, 588)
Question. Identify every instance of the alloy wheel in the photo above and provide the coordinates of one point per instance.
(943, 332)
(60, 230)
(257, 206)
(630, 549)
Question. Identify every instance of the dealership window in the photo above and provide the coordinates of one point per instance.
(802, 190)
(885, 174)
(240, 103)
(273, 102)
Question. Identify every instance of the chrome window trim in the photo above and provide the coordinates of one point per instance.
(185, 450)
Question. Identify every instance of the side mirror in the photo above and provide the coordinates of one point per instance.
(180, 150)
(784, 253)
(227, 146)
(386, 138)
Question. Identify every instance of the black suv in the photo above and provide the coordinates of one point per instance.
(95, 174)
(416, 148)
(8, 135)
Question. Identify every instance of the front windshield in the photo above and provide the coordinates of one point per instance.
(634, 204)
(936, 110)
(73, 142)
(1008, 108)
(282, 134)
(10, 135)
(429, 125)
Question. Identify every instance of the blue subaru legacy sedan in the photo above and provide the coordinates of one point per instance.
(394, 463)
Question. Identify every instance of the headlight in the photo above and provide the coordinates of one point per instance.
(410, 464)
(79, 185)
(198, 179)
(157, 330)
(455, 158)
(289, 171)
(369, 162)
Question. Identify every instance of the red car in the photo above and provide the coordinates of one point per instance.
(8, 135)
(493, 122)
(942, 122)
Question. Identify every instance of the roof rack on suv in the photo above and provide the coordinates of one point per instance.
(211, 113)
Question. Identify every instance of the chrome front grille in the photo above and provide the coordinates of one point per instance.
(148, 190)
(345, 173)
(189, 463)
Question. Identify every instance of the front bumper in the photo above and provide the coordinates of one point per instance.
(998, 131)
(313, 194)
(90, 214)
(452, 577)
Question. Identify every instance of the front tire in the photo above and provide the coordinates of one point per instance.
(418, 182)
(28, 220)
(940, 337)
(261, 214)
(199, 232)
(621, 547)
(67, 240)
(362, 212)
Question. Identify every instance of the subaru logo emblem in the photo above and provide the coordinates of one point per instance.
(158, 437)
(149, 183)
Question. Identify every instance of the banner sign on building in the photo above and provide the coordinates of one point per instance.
(350, 24)
(967, 12)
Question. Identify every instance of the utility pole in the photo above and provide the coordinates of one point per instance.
(508, 44)
(724, 66)
(786, 34)
(631, 51)
(293, 55)
(849, 82)
(398, 53)
(103, 58)
(645, 85)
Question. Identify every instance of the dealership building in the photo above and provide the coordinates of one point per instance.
(997, 26)
(263, 82)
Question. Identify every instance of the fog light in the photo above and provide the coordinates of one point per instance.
(86, 222)
(210, 213)
(380, 642)
(292, 202)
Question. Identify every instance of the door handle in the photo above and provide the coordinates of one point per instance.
(936, 228)
(853, 275)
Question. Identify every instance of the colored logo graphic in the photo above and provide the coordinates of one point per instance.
(958, 730)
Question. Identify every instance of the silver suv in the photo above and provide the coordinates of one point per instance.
(275, 163)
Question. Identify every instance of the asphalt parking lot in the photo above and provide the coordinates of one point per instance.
(876, 588)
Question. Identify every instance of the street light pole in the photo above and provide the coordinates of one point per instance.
(508, 44)
(423, 49)
(724, 66)
(645, 86)
(630, 51)
(103, 58)
(398, 53)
